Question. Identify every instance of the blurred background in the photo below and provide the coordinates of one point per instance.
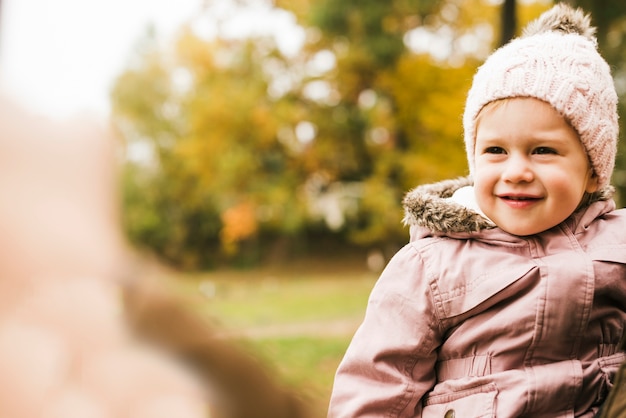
(263, 147)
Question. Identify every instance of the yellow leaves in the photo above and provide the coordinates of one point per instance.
(265, 125)
(429, 102)
(430, 97)
(239, 224)
(300, 8)
(531, 11)
(195, 52)
(378, 198)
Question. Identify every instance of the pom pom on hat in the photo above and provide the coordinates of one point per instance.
(555, 60)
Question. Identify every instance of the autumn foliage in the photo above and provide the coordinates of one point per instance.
(234, 145)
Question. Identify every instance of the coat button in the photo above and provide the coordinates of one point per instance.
(449, 413)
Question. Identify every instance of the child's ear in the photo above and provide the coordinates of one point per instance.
(592, 182)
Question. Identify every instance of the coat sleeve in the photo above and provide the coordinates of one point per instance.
(389, 365)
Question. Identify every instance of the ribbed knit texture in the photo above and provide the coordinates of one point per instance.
(562, 69)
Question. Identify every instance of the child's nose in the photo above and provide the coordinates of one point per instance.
(517, 170)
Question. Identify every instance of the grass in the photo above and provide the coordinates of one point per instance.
(272, 301)
(288, 317)
(305, 363)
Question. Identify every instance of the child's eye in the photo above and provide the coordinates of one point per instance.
(544, 150)
(494, 150)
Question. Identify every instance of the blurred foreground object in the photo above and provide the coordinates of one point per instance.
(80, 337)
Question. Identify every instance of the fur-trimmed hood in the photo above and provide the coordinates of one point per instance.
(431, 206)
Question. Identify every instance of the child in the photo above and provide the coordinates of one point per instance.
(510, 298)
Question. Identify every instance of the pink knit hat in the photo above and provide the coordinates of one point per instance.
(555, 60)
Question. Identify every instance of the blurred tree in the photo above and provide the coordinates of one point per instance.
(232, 148)
(209, 167)
(508, 26)
(205, 114)
(144, 99)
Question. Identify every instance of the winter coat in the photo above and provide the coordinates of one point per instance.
(467, 320)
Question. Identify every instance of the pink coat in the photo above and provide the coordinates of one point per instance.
(469, 321)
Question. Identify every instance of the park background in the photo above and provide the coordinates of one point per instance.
(239, 153)
(261, 176)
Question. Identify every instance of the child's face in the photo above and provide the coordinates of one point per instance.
(531, 170)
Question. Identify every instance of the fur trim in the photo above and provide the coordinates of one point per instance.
(427, 206)
(562, 18)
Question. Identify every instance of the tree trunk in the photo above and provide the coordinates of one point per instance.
(508, 23)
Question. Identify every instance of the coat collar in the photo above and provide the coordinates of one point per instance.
(430, 206)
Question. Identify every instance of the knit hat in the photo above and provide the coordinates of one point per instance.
(555, 60)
